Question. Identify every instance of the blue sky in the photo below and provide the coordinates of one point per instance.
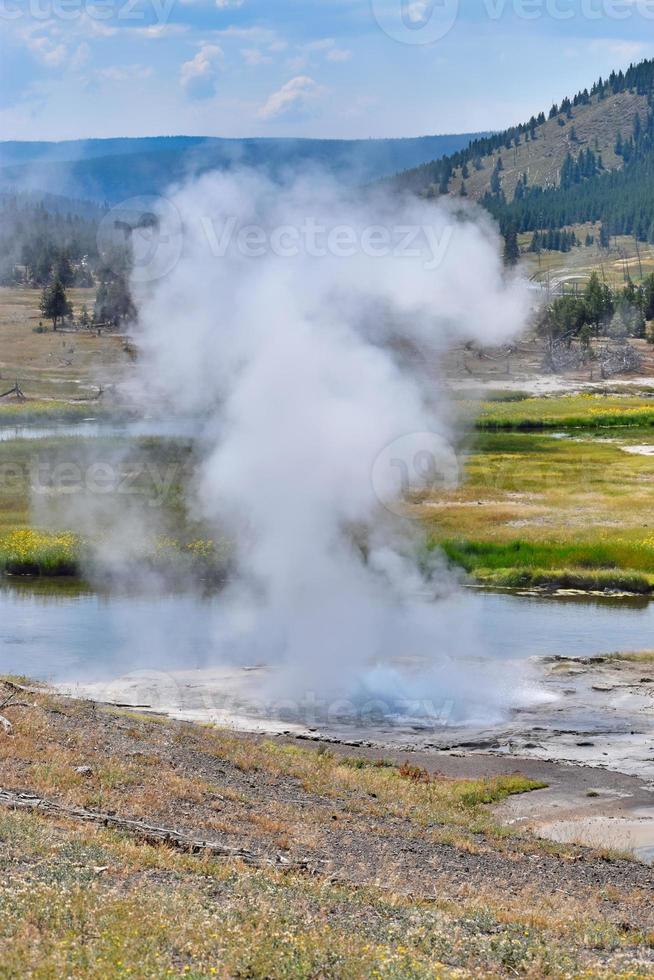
(333, 68)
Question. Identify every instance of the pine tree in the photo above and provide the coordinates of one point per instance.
(54, 303)
(598, 302)
(648, 297)
(113, 302)
(63, 270)
(511, 246)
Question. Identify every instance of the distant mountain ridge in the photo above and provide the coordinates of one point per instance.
(109, 170)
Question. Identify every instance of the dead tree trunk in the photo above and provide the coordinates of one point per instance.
(148, 834)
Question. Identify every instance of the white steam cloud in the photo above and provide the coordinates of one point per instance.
(307, 325)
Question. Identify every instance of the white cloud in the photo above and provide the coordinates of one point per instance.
(124, 73)
(325, 46)
(297, 95)
(253, 56)
(45, 50)
(198, 76)
(92, 27)
(81, 56)
(298, 63)
(339, 54)
(156, 31)
(418, 11)
(252, 35)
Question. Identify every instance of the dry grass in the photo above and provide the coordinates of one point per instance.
(83, 901)
(60, 366)
(542, 159)
(52, 743)
(625, 259)
(535, 504)
(640, 657)
(89, 904)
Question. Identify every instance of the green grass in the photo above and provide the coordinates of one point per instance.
(48, 479)
(28, 552)
(536, 578)
(532, 510)
(408, 792)
(46, 410)
(596, 556)
(568, 412)
(591, 566)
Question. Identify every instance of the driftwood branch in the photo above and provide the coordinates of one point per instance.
(16, 390)
(13, 686)
(148, 834)
(10, 702)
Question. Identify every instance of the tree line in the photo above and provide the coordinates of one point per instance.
(56, 249)
(600, 311)
(35, 239)
(113, 300)
(622, 200)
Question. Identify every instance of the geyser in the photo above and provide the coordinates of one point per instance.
(308, 324)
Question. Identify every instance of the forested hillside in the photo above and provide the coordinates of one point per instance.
(588, 159)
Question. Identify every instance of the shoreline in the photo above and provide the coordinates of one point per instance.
(605, 700)
(154, 825)
(592, 741)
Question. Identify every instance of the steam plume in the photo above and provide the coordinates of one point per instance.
(311, 353)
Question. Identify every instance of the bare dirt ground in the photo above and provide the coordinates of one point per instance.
(327, 863)
(357, 843)
(72, 365)
(597, 717)
(519, 368)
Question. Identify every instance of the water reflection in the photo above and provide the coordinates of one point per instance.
(92, 428)
(62, 631)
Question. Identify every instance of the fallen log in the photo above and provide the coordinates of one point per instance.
(13, 686)
(148, 834)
